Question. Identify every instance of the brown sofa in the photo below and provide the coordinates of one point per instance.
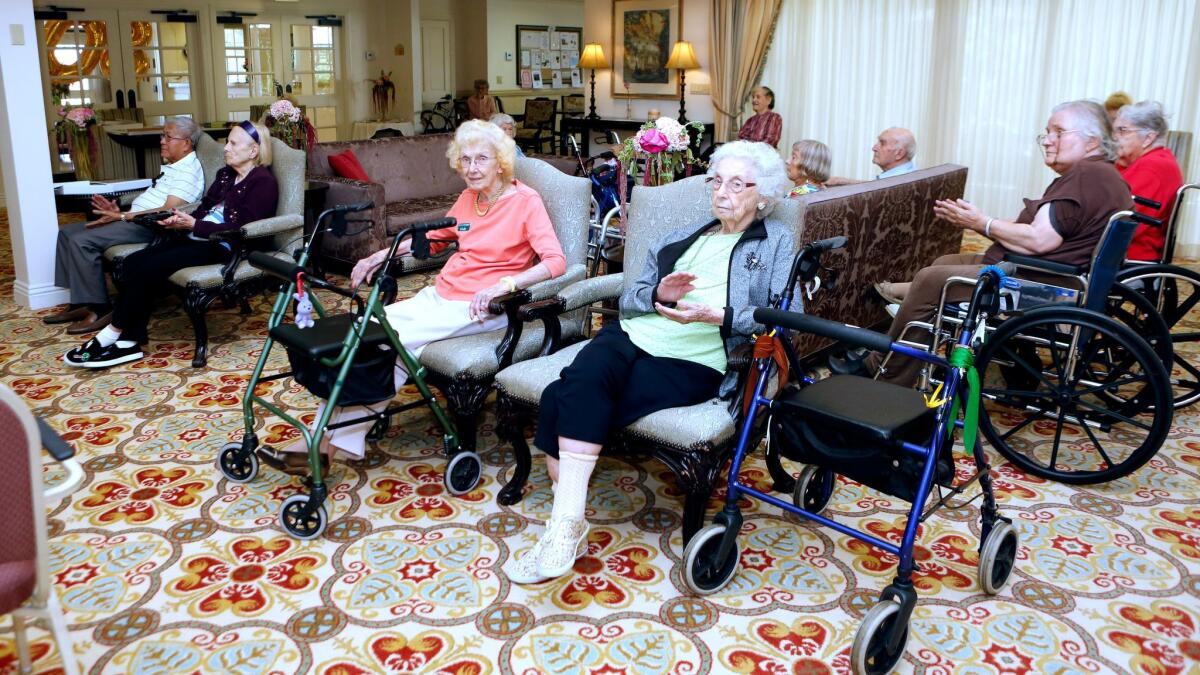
(411, 182)
(892, 234)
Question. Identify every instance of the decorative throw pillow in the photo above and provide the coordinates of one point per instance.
(346, 165)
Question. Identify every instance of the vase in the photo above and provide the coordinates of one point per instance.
(82, 154)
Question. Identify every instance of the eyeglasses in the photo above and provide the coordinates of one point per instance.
(467, 162)
(736, 185)
(1121, 131)
(168, 137)
(1053, 136)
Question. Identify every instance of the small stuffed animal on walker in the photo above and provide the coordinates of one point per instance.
(304, 306)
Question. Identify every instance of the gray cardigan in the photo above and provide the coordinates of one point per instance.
(758, 271)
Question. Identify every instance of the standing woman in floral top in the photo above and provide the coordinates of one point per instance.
(808, 167)
(765, 125)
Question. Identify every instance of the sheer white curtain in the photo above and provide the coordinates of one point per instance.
(975, 80)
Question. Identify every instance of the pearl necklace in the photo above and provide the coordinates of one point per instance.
(491, 202)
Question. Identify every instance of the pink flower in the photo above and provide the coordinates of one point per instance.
(653, 141)
(62, 111)
(81, 116)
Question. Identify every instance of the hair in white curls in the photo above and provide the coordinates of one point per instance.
(770, 173)
(478, 131)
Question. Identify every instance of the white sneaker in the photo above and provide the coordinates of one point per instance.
(524, 569)
(563, 542)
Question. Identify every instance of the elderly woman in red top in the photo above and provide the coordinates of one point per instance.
(765, 126)
(1140, 130)
(505, 242)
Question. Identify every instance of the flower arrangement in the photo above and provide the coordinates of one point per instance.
(75, 124)
(383, 95)
(664, 146)
(287, 124)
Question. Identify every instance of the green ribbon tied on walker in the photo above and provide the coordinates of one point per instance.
(963, 358)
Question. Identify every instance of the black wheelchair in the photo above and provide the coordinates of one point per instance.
(347, 359)
(1081, 364)
(1173, 291)
(888, 437)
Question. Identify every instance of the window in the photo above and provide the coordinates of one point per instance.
(78, 63)
(249, 66)
(312, 60)
(160, 61)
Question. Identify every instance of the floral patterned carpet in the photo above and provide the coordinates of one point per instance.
(163, 566)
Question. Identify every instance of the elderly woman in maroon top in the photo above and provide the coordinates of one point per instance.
(243, 191)
(765, 126)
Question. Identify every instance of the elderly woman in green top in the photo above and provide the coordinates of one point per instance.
(693, 302)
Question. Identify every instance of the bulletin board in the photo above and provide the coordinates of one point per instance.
(548, 57)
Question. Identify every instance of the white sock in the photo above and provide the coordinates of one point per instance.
(570, 495)
(108, 336)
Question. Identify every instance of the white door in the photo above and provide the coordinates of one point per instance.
(81, 59)
(437, 61)
(159, 66)
(246, 66)
(312, 72)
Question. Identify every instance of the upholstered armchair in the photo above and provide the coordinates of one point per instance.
(537, 124)
(236, 280)
(464, 368)
(694, 441)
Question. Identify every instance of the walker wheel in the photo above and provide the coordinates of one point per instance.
(870, 654)
(810, 493)
(702, 572)
(463, 472)
(997, 557)
(301, 526)
(238, 466)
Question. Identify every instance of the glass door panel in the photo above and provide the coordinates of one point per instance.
(159, 66)
(313, 74)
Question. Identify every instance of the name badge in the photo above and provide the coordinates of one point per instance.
(463, 227)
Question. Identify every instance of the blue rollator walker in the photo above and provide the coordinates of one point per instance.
(347, 359)
(887, 437)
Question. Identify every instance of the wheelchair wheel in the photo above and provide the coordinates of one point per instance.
(463, 472)
(1174, 292)
(238, 467)
(702, 572)
(810, 493)
(997, 557)
(870, 654)
(1092, 395)
(299, 525)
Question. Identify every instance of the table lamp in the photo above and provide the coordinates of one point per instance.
(593, 58)
(683, 57)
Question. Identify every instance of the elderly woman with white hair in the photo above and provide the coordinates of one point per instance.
(505, 242)
(509, 125)
(1140, 130)
(692, 303)
(1063, 225)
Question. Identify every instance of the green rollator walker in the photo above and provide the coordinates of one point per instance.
(347, 359)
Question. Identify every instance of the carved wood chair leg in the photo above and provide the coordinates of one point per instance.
(510, 427)
(694, 504)
(196, 305)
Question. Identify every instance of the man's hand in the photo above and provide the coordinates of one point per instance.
(479, 304)
(674, 286)
(960, 213)
(104, 219)
(691, 312)
(364, 267)
(100, 203)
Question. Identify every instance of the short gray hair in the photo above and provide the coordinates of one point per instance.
(500, 119)
(1147, 116)
(769, 171)
(188, 126)
(815, 159)
(1092, 122)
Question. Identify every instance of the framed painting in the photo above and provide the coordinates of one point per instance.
(643, 33)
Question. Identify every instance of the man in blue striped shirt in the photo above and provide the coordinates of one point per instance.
(81, 246)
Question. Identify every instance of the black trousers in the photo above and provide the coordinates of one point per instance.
(146, 271)
(611, 384)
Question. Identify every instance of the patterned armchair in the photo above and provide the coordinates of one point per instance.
(695, 441)
(235, 280)
(537, 125)
(464, 368)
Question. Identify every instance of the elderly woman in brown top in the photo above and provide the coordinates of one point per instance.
(1063, 225)
(481, 105)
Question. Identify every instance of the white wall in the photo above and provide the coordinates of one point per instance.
(598, 18)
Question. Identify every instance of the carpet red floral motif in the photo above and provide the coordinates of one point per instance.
(162, 566)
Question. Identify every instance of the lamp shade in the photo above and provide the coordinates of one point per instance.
(683, 57)
(592, 56)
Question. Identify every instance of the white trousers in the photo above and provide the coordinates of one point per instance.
(425, 317)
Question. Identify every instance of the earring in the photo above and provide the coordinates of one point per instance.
(762, 205)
